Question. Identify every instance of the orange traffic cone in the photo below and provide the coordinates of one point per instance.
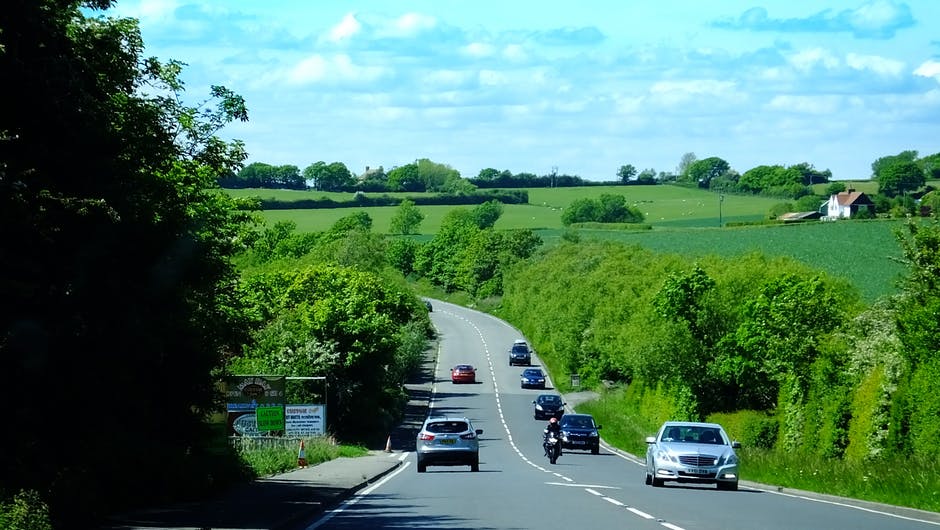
(302, 455)
(388, 444)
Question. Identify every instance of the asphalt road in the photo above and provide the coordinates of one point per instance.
(516, 486)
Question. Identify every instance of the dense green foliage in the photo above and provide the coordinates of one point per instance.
(119, 297)
(608, 208)
(352, 327)
(469, 255)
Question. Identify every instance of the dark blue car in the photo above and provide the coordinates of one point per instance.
(533, 378)
(548, 405)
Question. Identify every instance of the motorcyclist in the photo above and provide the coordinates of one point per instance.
(552, 429)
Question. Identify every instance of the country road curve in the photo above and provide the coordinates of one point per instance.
(517, 487)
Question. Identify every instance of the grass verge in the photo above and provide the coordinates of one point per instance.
(269, 456)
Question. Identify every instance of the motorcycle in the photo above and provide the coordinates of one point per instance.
(552, 446)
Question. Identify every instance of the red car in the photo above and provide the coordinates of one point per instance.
(463, 373)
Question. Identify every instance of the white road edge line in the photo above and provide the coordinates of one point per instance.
(356, 498)
(846, 505)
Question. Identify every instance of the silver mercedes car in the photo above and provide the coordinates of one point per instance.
(692, 452)
(448, 441)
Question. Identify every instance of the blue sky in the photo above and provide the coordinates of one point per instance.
(529, 86)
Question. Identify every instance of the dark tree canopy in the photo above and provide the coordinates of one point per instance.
(118, 298)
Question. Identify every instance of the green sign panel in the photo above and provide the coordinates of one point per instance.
(270, 418)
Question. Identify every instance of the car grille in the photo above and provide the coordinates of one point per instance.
(698, 460)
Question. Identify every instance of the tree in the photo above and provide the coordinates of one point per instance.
(900, 177)
(703, 171)
(485, 215)
(579, 211)
(879, 164)
(407, 218)
(810, 175)
(685, 163)
(328, 177)
(118, 246)
(488, 174)
(626, 173)
(647, 176)
(835, 187)
(919, 329)
(405, 178)
(437, 177)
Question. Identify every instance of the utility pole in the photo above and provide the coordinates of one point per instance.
(554, 174)
(721, 199)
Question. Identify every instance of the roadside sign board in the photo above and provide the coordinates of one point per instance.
(244, 394)
(270, 418)
(305, 420)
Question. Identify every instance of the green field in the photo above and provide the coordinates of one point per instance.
(663, 206)
(685, 221)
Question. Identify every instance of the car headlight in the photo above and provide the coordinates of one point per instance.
(730, 460)
(592, 434)
(662, 454)
(538, 407)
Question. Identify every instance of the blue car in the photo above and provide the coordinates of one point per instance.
(533, 378)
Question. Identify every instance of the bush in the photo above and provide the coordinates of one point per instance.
(754, 429)
(26, 511)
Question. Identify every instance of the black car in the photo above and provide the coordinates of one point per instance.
(429, 306)
(520, 353)
(578, 431)
(548, 405)
(532, 378)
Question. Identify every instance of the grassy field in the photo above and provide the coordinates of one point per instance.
(663, 206)
(684, 220)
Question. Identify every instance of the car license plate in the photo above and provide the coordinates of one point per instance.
(448, 441)
(697, 471)
(578, 442)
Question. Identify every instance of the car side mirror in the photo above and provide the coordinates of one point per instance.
(479, 431)
(533, 403)
(598, 427)
(650, 439)
(736, 445)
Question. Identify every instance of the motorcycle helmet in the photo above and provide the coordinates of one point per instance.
(553, 420)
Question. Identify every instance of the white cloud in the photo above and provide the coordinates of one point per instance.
(347, 27)
(149, 11)
(410, 24)
(338, 68)
(930, 68)
(677, 92)
(478, 50)
(817, 105)
(515, 53)
(808, 59)
(874, 63)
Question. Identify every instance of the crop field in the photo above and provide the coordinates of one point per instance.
(865, 253)
(685, 221)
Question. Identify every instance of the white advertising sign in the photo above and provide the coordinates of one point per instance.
(305, 420)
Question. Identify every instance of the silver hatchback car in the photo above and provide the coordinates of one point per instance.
(692, 452)
(448, 441)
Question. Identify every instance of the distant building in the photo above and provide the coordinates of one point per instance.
(848, 203)
(795, 217)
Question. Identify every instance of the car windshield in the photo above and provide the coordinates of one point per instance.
(549, 400)
(579, 422)
(692, 434)
(520, 348)
(532, 373)
(463, 368)
(444, 427)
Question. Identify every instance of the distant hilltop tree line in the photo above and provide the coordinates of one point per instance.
(896, 175)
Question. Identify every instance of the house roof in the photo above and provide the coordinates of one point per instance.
(848, 198)
(798, 216)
